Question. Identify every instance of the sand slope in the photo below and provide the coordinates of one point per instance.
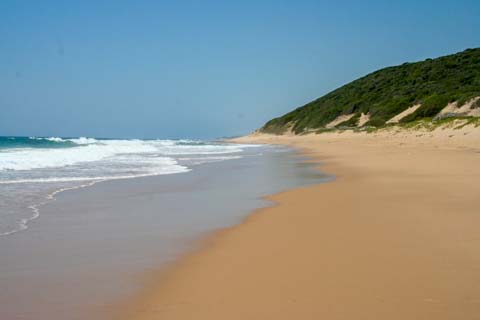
(404, 113)
(396, 236)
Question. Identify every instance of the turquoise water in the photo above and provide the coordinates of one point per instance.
(33, 142)
(10, 142)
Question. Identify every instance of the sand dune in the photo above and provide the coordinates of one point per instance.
(339, 119)
(404, 113)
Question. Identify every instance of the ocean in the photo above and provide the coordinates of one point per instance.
(34, 169)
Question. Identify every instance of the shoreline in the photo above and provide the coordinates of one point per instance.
(132, 307)
(392, 236)
(123, 230)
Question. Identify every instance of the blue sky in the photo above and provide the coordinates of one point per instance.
(202, 69)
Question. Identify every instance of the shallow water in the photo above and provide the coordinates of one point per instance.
(32, 170)
(91, 246)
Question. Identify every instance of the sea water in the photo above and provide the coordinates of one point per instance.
(34, 169)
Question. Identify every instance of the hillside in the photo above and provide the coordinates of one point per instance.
(448, 85)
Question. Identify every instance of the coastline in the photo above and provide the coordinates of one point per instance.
(394, 236)
(102, 240)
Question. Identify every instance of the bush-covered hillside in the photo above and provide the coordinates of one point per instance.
(386, 92)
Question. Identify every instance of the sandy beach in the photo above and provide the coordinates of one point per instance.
(240, 160)
(103, 238)
(395, 236)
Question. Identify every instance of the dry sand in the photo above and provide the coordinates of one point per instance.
(404, 113)
(395, 236)
(339, 119)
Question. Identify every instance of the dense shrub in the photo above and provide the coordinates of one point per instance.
(389, 91)
(430, 107)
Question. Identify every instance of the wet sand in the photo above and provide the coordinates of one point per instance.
(395, 236)
(92, 247)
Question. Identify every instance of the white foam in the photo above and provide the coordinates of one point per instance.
(53, 139)
(89, 150)
(83, 140)
(88, 161)
(36, 158)
(201, 149)
(23, 223)
(158, 171)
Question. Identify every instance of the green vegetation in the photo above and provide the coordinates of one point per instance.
(452, 122)
(433, 83)
(476, 104)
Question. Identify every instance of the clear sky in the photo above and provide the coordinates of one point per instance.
(202, 69)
